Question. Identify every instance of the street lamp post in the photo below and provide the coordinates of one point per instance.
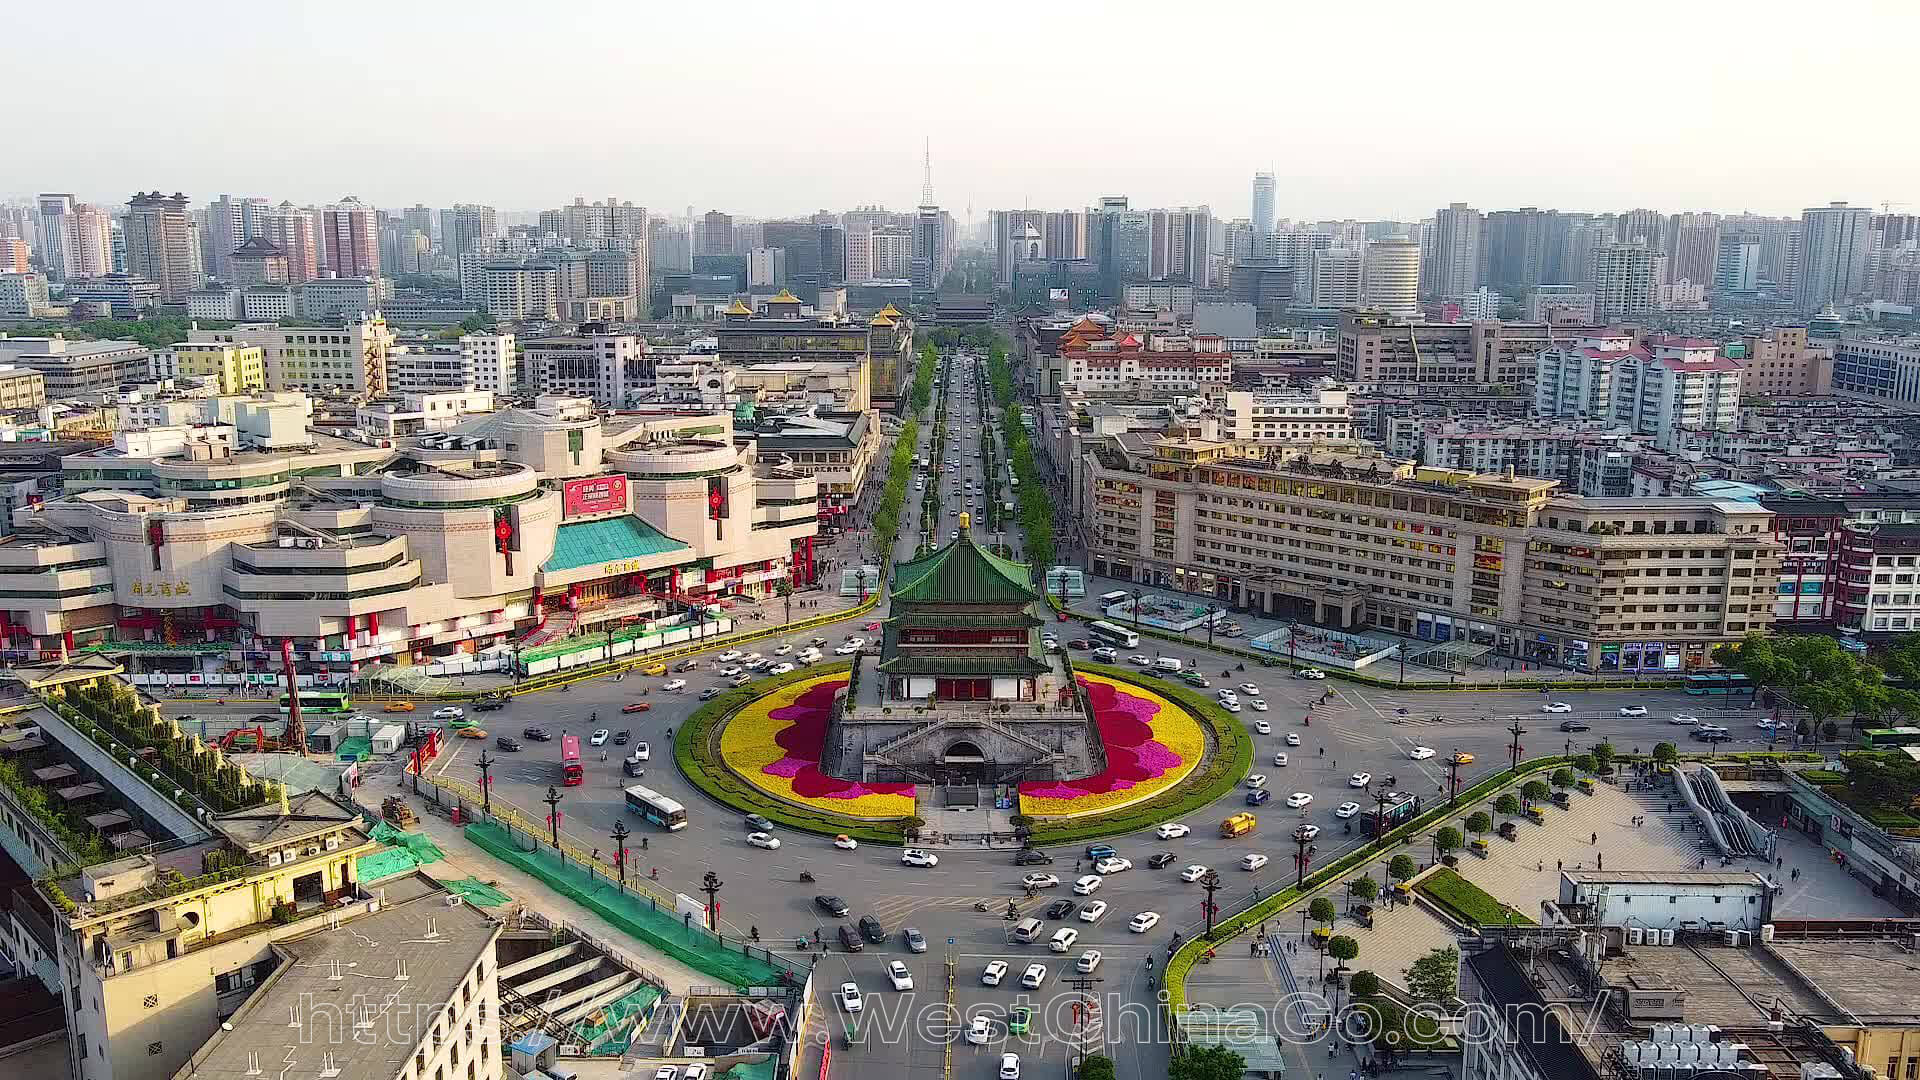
(1213, 612)
(552, 799)
(620, 834)
(1299, 859)
(486, 783)
(1136, 611)
(1211, 883)
(1453, 778)
(1513, 750)
(710, 885)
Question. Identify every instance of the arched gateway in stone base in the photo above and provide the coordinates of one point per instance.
(963, 692)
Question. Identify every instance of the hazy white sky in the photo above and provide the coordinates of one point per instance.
(1385, 108)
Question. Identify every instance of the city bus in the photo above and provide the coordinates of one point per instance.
(1117, 636)
(319, 701)
(571, 773)
(657, 808)
(1719, 683)
(1889, 738)
(1400, 808)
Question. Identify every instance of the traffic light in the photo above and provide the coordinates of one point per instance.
(716, 497)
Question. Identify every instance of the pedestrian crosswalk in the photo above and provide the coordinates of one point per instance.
(896, 907)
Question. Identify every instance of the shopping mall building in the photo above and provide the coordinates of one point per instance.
(512, 528)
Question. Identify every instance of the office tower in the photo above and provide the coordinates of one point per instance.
(290, 228)
(466, 228)
(1262, 218)
(1064, 234)
(226, 231)
(1737, 265)
(1181, 245)
(161, 244)
(1238, 245)
(1693, 247)
(669, 248)
(1391, 276)
(801, 241)
(833, 254)
(1006, 227)
(417, 218)
(1623, 282)
(54, 247)
(932, 247)
(1833, 256)
(1517, 248)
(1132, 253)
(1451, 260)
(1647, 227)
(892, 251)
(767, 268)
(350, 239)
(403, 249)
(1337, 277)
(716, 234)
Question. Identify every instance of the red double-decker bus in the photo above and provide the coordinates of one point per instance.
(571, 773)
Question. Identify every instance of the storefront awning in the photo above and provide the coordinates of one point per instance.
(610, 541)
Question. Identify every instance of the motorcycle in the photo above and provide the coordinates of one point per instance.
(1239, 667)
(980, 905)
(806, 875)
(1226, 673)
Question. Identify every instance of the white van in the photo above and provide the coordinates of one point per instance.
(1168, 663)
(1026, 931)
(1114, 597)
(1063, 939)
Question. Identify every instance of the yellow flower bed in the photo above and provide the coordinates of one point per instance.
(1152, 744)
(774, 743)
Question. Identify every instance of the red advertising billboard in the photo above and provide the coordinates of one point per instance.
(597, 495)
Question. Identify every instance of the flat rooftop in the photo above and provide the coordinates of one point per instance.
(1827, 980)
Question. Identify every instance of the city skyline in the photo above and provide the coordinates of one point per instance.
(1374, 147)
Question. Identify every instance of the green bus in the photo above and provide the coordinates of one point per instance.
(319, 701)
(1889, 738)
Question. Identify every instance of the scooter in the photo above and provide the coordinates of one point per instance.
(806, 875)
(980, 905)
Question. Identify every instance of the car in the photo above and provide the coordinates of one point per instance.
(1683, 720)
(1262, 727)
(1144, 922)
(1280, 758)
(1194, 678)
(1112, 864)
(850, 999)
(730, 671)
(667, 1072)
(1346, 809)
(1092, 911)
(710, 693)
(1293, 738)
(1712, 735)
(1249, 689)
(1232, 705)
(871, 628)
(535, 734)
(764, 840)
(1039, 881)
(1420, 753)
(979, 1031)
(470, 733)
(1298, 799)
(1019, 1018)
(1082, 644)
(1633, 710)
(916, 857)
(1141, 659)
(782, 669)
(846, 650)
(490, 705)
(1768, 724)
(1087, 962)
(846, 843)
(1194, 872)
(731, 656)
(759, 823)
(637, 706)
(1159, 860)
(1009, 1066)
(1100, 851)
(783, 648)
(814, 643)
(1257, 705)
(1254, 861)
(916, 941)
(1556, 707)
(1227, 693)
(641, 752)
(1360, 779)
(1033, 976)
(1306, 831)
(449, 713)
(1032, 857)
(1087, 883)
(672, 685)
(1173, 830)
(599, 737)
(856, 642)
(1309, 673)
(688, 664)
(1460, 757)
(993, 973)
(507, 744)
(622, 738)
(1257, 781)
(1575, 725)
(398, 706)
(871, 929)
(1105, 655)
(899, 976)
(850, 939)
(741, 679)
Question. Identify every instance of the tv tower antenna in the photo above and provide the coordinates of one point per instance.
(926, 173)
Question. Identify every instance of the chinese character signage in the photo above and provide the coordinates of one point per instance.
(597, 495)
(161, 588)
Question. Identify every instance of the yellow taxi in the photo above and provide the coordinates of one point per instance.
(1461, 757)
(470, 733)
(654, 669)
(399, 706)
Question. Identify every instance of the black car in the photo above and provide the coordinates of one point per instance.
(490, 705)
(621, 738)
(871, 929)
(1159, 859)
(537, 734)
(1059, 909)
(1712, 735)
(686, 665)
(832, 905)
(1575, 725)
(849, 940)
(506, 743)
(1032, 857)
(710, 693)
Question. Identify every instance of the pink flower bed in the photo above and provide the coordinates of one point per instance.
(803, 736)
(1151, 745)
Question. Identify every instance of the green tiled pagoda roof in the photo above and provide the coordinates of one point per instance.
(929, 620)
(962, 573)
(609, 540)
(915, 664)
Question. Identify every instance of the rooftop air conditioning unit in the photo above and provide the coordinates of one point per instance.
(333, 842)
(273, 858)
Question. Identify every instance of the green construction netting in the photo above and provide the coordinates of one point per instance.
(753, 1070)
(620, 1016)
(475, 891)
(358, 748)
(407, 851)
(664, 931)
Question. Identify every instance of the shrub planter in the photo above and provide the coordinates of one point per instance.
(1478, 847)
(1450, 861)
(1584, 785)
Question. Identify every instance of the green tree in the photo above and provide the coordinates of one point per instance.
(1402, 867)
(1436, 976)
(1508, 804)
(1207, 1063)
(1363, 985)
(1447, 840)
(1586, 764)
(1363, 888)
(1562, 778)
(1665, 753)
(1830, 730)
(1533, 791)
(1321, 911)
(1478, 823)
(1603, 755)
(1096, 1067)
(1342, 948)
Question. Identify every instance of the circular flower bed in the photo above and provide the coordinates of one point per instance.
(1152, 744)
(774, 743)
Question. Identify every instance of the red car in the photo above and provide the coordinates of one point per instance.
(638, 706)
(872, 628)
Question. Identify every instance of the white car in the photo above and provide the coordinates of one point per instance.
(846, 843)
(782, 668)
(1360, 779)
(1144, 922)
(1113, 864)
(751, 659)
(734, 656)
(979, 1031)
(1633, 710)
(1140, 658)
(1227, 693)
(764, 840)
(1039, 881)
(667, 1072)
(1280, 758)
(1257, 781)
(1420, 753)
(1087, 884)
(1305, 831)
(1010, 1066)
(916, 857)
(899, 976)
(1309, 673)
(1033, 976)
(1105, 655)
(1768, 724)
(1193, 872)
(448, 713)
(1232, 705)
(1087, 962)
(1683, 719)
(993, 973)
(1346, 809)
(729, 671)
(1258, 705)
(1253, 862)
(641, 752)
(1293, 738)
(850, 998)
(1093, 911)
(599, 737)
(1172, 831)
(1263, 727)
(1556, 707)
(674, 684)
(1298, 799)
(847, 649)
(1249, 689)
(783, 648)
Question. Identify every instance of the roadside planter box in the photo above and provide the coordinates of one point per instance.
(1561, 799)
(1585, 785)
(1536, 815)
(1478, 847)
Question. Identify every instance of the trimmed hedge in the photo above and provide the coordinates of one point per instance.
(1465, 901)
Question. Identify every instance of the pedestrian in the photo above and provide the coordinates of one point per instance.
(1599, 862)
(596, 854)
(1778, 862)
(1796, 873)
(1253, 948)
(1541, 867)
(1594, 839)
(1559, 864)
